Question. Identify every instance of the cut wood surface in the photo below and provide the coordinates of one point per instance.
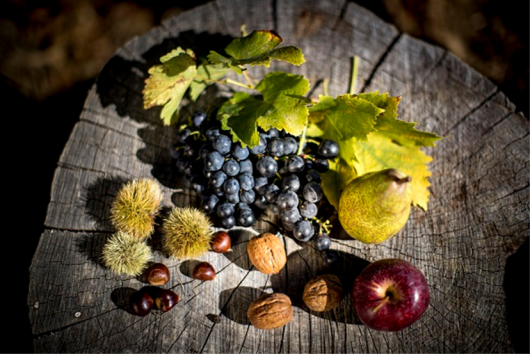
(478, 214)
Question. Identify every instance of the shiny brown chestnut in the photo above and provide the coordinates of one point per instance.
(221, 242)
(157, 274)
(141, 302)
(166, 300)
(204, 271)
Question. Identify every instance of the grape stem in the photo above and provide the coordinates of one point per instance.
(354, 73)
(302, 141)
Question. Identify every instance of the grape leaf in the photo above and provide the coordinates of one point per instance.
(168, 82)
(257, 48)
(205, 74)
(344, 119)
(279, 107)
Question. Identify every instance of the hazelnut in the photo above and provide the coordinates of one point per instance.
(270, 311)
(204, 271)
(266, 253)
(221, 242)
(166, 299)
(157, 274)
(323, 293)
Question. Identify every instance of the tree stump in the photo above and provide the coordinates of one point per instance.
(476, 224)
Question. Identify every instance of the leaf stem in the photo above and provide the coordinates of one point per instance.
(248, 79)
(237, 83)
(302, 141)
(326, 85)
(354, 73)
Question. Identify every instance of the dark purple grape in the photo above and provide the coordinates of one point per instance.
(260, 183)
(313, 192)
(291, 183)
(322, 242)
(225, 209)
(245, 217)
(267, 166)
(218, 191)
(330, 256)
(231, 167)
(209, 202)
(261, 148)
(271, 193)
(231, 186)
(222, 143)
(303, 230)
(312, 176)
(204, 150)
(321, 165)
(246, 181)
(261, 202)
(213, 161)
(275, 147)
(228, 222)
(328, 149)
(290, 216)
(247, 196)
(295, 163)
(245, 166)
(218, 178)
(183, 135)
(287, 200)
(232, 198)
(239, 152)
(198, 117)
(288, 226)
(290, 145)
(212, 133)
(308, 209)
(273, 133)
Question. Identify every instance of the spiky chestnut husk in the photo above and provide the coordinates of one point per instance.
(186, 233)
(136, 206)
(125, 254)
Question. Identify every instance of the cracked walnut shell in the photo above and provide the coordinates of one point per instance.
(270, 311)
(323, 293)
(266, 253)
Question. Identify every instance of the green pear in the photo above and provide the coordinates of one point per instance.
(375, 206)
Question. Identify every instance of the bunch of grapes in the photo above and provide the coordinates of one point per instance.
(237, 183)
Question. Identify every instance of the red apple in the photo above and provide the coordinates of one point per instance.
(390, 295)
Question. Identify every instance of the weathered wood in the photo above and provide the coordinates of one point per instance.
(477, 218)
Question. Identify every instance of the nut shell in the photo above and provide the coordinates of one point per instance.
(267, 254)
(323, 293)
(270, 311)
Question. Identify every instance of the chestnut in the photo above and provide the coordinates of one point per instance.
(157, 274)
(166, 299)
(141, 302)
(221, 242)
(204, 271)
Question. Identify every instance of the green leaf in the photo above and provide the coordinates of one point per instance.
(257, 48)
(168, 82)
(336, 179)
(279, 107)
(206, 74)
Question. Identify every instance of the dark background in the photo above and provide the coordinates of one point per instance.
(52, 51)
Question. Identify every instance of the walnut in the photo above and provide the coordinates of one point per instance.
(323, 293)
(270, 311)
(267, 254)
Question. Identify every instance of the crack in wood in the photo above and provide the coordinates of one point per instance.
(381, 60)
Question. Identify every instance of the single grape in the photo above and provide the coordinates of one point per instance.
(287, 200)
(247, 196)
(231, 167)
(328, 149)
(182, 163)
(295, 163)
(209, 202)
(313, 192)
(225, 209)
(231, 186)
(239, 152)
(261, 202)
(303, 230)
(246, 181)
(291, 183)
(189, 169)
(322, 242)
(218, 178)
(245, 217)
(191, 150)
(198, 183)
(308, 209)
(218, 191)
(259, 184)
(308, 164)
(321, 165)
(275, 147)
(214, 161)
(291, 216)
(312, 176)
(222, 143)
(175, 152)
(330, 256)
(228, 222)
(232, 198)
(245, 166)
(273, 133)
(198, 117)
(207, 174)
(183, 135)
(271, 193)
(212, 133)
(290, 145)
(267, 166)
(243, 205)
